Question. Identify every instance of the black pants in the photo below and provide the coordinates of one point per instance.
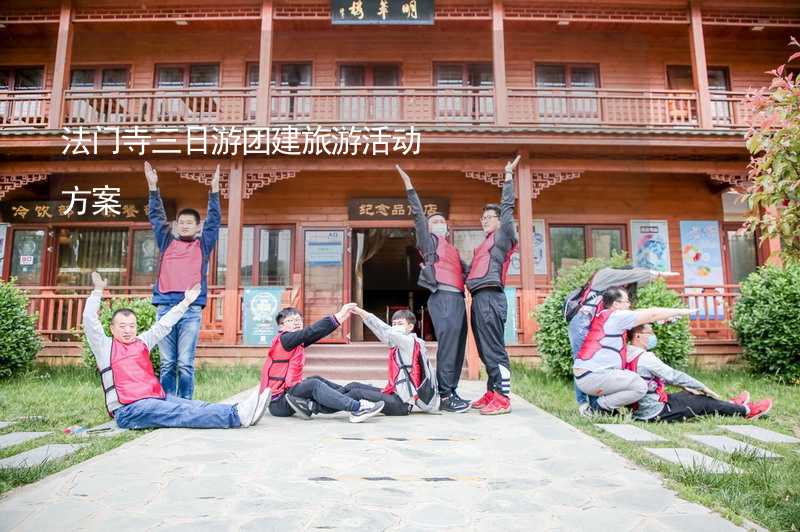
(684, 405)
(328, 396)
(488, 317)
(449, 317)
(394, 406)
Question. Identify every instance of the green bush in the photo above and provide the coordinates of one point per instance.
(145, 318)
(766, 319)
(19, 341)
(552, 339)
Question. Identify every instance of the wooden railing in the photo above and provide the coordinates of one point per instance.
(728, 109)
(24, 109)
(160, 106)
(602, 107)
(382, 105)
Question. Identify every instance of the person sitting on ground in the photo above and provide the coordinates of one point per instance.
(696, 400)
(133, 394)
(598, 368)
(283, 370)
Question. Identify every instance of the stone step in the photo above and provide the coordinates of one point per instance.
(630, 433)
(691, 459)
(39, 455)
(760, 434)
(15, 438)
(730, 446)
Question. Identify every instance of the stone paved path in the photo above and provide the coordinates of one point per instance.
(524, 471)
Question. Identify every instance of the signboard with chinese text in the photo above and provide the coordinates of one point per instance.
(259, 308)
(393, 208)
(118, 210)
(382, 11)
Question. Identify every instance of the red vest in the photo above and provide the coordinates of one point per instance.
(660, 385)
(482, 258)
(396, 375)
(448, 269)
(132, 376)
(592, 345)
(282, 369)
(180, 266)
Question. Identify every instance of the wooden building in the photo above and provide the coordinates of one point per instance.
(629, 116)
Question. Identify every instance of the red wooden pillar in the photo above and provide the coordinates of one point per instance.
(61, 67)
(264, 65)
(699, 66)
(499, 64)
(230, 302)
(526, 251)
(771, 247)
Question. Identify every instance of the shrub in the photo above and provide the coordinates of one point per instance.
(552, 339)
(145, 318)
(19, 341)
(766, 319)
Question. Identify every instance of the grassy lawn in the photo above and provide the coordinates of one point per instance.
(59, 397)
(767, 492)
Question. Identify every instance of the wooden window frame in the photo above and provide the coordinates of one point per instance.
(98, 74)
(187, 67)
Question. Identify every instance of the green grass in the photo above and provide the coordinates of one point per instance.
(66, 396)
(767, 492)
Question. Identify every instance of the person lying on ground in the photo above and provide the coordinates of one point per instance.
(133, 394)
(696, 399)
(283, 370)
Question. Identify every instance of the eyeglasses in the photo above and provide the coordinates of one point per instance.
(486, 217)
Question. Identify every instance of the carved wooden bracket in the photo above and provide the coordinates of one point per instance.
(9, 182)
(493, 178)
(257, 180)
(543, 179)
(734, 179)
(205, 177)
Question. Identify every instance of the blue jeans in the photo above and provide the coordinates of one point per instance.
(577, 329)
(177, 352)
(177, 413)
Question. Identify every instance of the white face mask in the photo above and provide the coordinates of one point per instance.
(439, 229)
(400, 329)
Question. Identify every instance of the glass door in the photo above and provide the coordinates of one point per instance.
(324, 287)
(27, 256)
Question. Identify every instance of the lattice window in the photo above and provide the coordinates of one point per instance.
(9, 182)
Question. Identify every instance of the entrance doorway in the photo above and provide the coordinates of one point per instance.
(385, 268)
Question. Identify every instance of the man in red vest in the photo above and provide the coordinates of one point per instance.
(182, 263)
(442, 273)
(486, 281)
(133, 395)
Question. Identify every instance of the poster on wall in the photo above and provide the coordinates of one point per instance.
(701, 253)
(650, 243)
(260, 306)
(3, 233)
(324, 248)
(539, 252)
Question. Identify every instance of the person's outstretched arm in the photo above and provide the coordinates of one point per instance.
(163, 326)
(383, 331)
(155, 209)
(608, 277)
(213, 216)
(317, 330)
(670, 375)
(96, 336)
(507, 202)
(425, 241)
(650, 315)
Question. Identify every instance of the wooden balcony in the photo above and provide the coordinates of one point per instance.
(24, 109)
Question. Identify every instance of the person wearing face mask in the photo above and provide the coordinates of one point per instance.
(599, 367)
(183, 262)
(442, 273)
(410, 380)
(696, 400)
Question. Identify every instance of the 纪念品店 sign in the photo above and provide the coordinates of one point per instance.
(259, 307)
(382, 11)
(393, 208)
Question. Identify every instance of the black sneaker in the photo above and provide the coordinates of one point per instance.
(302, 407)
(453, 403)
(367, 410)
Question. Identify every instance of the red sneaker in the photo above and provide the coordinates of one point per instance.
(759, 408)
(483, 401)
(741, 399)
(501, 404)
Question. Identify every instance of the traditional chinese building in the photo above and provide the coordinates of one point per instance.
(629, 116)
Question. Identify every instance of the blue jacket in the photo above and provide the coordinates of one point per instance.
(162, 230)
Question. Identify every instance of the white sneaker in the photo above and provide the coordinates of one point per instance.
(247, 409)
(263, 399)
(367, 410)
(585, 410)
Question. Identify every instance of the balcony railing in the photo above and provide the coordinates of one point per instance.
(602, 107)
(160, 106)
(728, 109)
(24, 109)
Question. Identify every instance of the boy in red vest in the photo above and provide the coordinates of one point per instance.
(283, 370)
(183, 262)
(133, 395)
(486, 282)
(442, 273)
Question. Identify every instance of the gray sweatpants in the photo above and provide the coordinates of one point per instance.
(613, 387)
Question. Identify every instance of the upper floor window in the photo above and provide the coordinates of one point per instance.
(560, 76)
(679, 77)
(283, 75)
(21, 78)
(580, 106)
(468, 106)
(192, 76)
(99, 78)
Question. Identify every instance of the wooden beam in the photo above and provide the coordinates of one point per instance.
(264, 65)
(526, 249)
(499, 64)
(230, 302)
(699, 66)
(61, 66)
